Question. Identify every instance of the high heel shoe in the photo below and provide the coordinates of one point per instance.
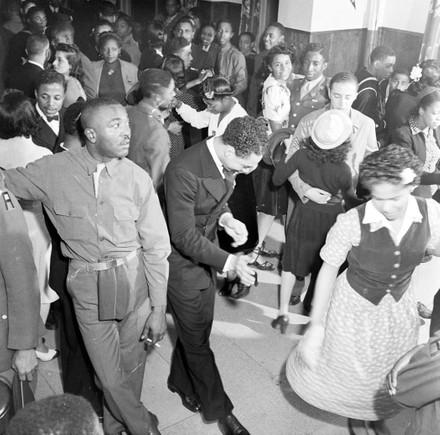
(242, 291)
(226, 290)
(281, 323)
(47, 356)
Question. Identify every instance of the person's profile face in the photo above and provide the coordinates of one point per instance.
(61, 64)
(281, 67)
(272, 37)
(384, 67)
(111, 133)
(245, 44)
(240, 165)
(313, 65)
(207, 36)
(167, 94)
(430, 116)
(185, 55)
(50, 98)
(399, 81)
(110, 51)
(342, 96)
(184, 30)
(224, 33)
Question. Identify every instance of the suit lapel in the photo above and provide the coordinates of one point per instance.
(212, 179)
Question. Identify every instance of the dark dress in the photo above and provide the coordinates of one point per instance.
(310, 223)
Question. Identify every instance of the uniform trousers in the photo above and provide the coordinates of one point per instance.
(117, 354)
(193, 367)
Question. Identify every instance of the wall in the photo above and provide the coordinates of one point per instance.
(350, 33)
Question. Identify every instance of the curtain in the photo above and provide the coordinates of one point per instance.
(250, 16)
(431, 41)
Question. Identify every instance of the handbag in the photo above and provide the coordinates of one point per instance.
(418, 383)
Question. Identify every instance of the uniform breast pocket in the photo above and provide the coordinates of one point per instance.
(74, 221)
(124, 227)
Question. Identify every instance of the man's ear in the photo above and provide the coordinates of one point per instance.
(229, 151)
(90, 134)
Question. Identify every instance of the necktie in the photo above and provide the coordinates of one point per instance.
(229, 179)
(305, 88)
(53, 118)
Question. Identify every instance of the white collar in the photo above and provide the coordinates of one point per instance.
(211, 149)
(312, 83)
(35, 63)
(377, 220)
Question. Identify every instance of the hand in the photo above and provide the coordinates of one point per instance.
(318, 195)
(155, 326)
(245, 272)
(204, 74)
(311, 345)
(24, 363)
(175, 127)
(398, 366)
(236, 229)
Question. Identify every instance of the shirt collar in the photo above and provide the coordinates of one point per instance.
(42, 114)
(91, 163)
(151, 111)
(211, 149)
(415, 129)
(312, 83)
(35, 63)
(377, 220)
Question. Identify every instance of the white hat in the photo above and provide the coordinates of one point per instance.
(331, 129)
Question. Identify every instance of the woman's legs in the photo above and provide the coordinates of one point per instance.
(287, 282)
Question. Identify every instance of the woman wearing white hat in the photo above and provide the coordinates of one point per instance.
(321, 163)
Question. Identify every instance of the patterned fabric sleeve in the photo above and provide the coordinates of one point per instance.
(434, 223)
(344, 234)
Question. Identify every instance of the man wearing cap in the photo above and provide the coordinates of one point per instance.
(108, 216)
(198, 184)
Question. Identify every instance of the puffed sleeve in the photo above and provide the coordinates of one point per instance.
(344, 234)
(272, 98)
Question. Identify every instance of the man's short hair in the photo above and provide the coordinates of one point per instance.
(315, 47)
(62, 27)
(62, 414)
(225, 20)
(250, 34)
(152, 80)
(279, 26)
(185, 19)
(33, 11)
(90, 108)
(343, 77)
(36, 45)
(247, 136)
(49, 77)
(401, 71)
(381, 52)
(107, 8)
(126, 18)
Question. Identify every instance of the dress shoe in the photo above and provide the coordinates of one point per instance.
(228, 285)
(47, 356)
(242, 291)
(281, 323)
(191, 403)
(229, 425)
(153, 430)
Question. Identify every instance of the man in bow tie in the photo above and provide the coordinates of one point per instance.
(198, 184)
(50, 92)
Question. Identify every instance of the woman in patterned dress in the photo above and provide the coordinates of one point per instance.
(363, 320)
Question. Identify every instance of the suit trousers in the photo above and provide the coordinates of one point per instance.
(193, 367)
(117, 355)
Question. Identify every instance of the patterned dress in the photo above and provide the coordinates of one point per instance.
(362, 340)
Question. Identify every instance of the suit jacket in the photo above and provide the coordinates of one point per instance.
(200, 57)
(149, 142)
(92, 77)
(45, 137)
(24, 78)
(19, 290)
(196, 197)
(316, 98)
(416, 143)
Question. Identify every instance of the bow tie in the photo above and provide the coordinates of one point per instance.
(52, 118)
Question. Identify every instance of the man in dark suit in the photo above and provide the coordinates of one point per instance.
(24, 77)
(50, 92)
(19, 293)
(198, 184)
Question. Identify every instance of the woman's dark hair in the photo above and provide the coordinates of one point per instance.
(430, 77)
(315, 47)
(280, 49)
(154, 35)
(17, 116)
(391, 164)
(174, 45)
(336, 155)
(72, 119)
(103, 39)
(175, 66)
(216, 88)
(152, 81)
(73, 58)
(426, 101)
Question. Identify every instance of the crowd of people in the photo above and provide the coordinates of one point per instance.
(150, 157)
